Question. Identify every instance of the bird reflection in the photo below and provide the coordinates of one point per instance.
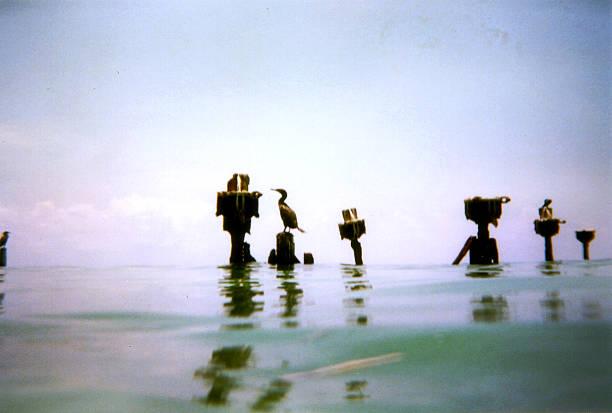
(490, 309)
(549, 268)
(553, 306)
(238, 286)
(221, 383)
(292, 296)
(483, 271)
(355, 284)
(354, 390)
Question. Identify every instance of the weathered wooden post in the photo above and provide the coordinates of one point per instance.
(483, 211)
(285, 249)
(585, 237)
(352, 229)
(3, 241)
(547, 227)
(238, 206)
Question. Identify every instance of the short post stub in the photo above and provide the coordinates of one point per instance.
(3, 257)
(352, 229)
(285, 249)
(308, 258)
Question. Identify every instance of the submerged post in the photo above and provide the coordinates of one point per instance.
(238, 206)
(585, 237)
(352, 229)
(547, 227)
(483, 211)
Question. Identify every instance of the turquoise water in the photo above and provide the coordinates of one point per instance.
(515, 337)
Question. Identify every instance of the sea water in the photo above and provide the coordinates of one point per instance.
(323, 338)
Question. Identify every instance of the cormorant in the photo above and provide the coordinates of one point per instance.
(287, 214)
(4, 238)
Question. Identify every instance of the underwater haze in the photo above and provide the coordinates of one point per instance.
(520, 337)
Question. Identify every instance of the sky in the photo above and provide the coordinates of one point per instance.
(121, 120)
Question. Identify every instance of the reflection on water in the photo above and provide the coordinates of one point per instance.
(238, 286)
(553, 306)
(292, 296)
(490, 309)
(1, 303)
(591, 309)
(274, 393)
(483, 271)
(225, 358)
(354, 390)
(355, 284)
(549, 268)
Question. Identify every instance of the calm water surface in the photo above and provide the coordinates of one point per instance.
(514, 337)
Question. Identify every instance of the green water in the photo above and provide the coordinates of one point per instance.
(516, 337)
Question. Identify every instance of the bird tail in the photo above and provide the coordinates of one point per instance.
(300, 229)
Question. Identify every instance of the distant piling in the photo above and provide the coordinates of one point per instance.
(352, 229)
(547, 227)
(585, 237)
(237, 206)
(482, 211)
(3, 257)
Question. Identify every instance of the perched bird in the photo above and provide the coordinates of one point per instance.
(4, 238)
(287, 214)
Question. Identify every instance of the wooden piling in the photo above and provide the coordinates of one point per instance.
(3, 257)
(585, 237)
(548, 228)
(238, 206)
(352, 229)
(285, 249)
(483, 211)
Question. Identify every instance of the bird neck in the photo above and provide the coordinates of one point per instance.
(281, 201)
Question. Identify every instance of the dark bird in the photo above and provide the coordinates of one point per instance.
(4, 238)
(287, 214)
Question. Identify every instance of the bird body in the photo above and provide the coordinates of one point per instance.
(4, 238)
(287, 214)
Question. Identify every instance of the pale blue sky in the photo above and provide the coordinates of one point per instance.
(119, 121)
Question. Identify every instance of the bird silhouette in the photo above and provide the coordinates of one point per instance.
(4, 238)
(287, 214)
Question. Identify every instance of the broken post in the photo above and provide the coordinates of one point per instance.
(2, 256)
(585, 237)
(483, 211)
(285, 249)
(547, 227)
(352, 229)
(238, 206)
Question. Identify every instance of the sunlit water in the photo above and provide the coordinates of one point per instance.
(514, 337)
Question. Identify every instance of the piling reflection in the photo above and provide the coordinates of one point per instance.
(215, 374)
(354, 390)
(483, 271)
(273, 394)
(591, 309)
(292, 296)
(553, 307)
(1, 303)
(356, 284)
(241, 289)
(489, 309)
(549, 268)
